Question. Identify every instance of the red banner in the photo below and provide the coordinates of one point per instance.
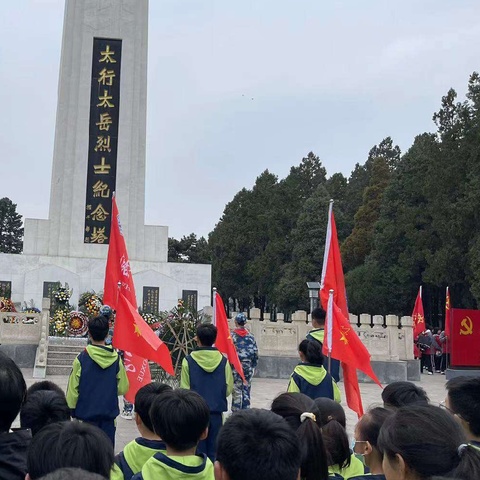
(465, 338)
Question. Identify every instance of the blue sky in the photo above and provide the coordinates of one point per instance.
(236, 87)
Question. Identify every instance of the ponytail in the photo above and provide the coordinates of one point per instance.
(469, 466)
(336, 442)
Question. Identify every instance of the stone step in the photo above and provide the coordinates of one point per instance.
(67, 341)
(65, 348)
(59, 370)
(57, 354)
(59, 362)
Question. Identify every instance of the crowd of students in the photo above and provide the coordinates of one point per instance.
(181, 433)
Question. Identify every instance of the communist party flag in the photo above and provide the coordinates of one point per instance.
(418, 316)
(119, 283)
(448, 319)
(341, 342)
(224, 342)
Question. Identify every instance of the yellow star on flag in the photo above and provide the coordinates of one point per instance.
(137, 332)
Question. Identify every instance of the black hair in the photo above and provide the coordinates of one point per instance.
(370, 424)
(207, 334)
(400, 394)
(257, 444)
(42, 408)
(144, 400)
(331, 418)
(290, 406)
(12, 391)
(179, 417)
(464, 399)
(428, 439)
(72, 474)
(312, 349)
(70, 444)
(98, 328)
(318, 314)
(45, 385)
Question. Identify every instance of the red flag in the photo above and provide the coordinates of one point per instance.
(347, 348)
(118, 279)
(224, 342)
(418, 316)
(134, 334)
(447, 315)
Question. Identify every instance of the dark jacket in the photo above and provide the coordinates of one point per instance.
(13, 454)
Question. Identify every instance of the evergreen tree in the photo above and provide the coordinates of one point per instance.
(11, 230)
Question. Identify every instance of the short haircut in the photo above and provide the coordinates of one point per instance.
(312, 349)
(318, 314)
(70, 444)
(144, 400)
(72, 474)
(12, 391)
(257, 444)
(401, 394)
(207, 334)
(331, 418)
(42, 408)
(180, 417)
(428, 440)
(464, 397)
(98, 328)
(370, 424)
(45, 385)
(290, 406)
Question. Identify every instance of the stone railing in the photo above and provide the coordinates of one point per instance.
(20, 328)
(387, 338)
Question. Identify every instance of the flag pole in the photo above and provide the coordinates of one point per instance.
(214, 317)
(329, 329)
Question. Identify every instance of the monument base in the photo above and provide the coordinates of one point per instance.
(462, 372)
(23, 355)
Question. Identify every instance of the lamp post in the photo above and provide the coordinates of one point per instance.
(313, 289)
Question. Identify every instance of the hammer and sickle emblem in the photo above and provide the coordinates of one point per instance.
(467, 326)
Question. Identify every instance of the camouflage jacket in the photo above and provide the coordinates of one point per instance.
(246, 347)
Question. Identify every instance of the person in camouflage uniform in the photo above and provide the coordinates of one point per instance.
(248, 354)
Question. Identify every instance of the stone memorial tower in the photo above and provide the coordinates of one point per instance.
(100, 140)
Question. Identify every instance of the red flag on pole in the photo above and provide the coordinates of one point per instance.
(447, 315)
(224, 342)
(342, 345)
(118, 280)
(418, 316)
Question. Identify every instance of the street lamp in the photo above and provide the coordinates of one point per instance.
(313, 289)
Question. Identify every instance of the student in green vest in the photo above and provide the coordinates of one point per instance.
(366, 442)
(310, 377)
(318, 333)
(463, 400)
(136, 453)
(331, 418)
(180, 418)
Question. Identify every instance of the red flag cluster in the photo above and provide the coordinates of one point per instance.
(131, 333)
(340, 340)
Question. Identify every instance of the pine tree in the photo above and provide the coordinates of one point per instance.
(11, 230)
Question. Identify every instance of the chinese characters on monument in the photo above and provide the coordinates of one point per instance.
(103, 139)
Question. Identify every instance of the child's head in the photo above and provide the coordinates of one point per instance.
(366, 434)
(143, 402)
(70, 444)
(318, 317)
(98, 328)
(296, 409)
(331, 418)
(72, 474)
(257, 445)
(45, 385)
(241, 320)
(180, 418)
(400, 394)
(310, 351)
(206, 334)
(420, 441)
(12, 391)
(42, 408)
(463, 399)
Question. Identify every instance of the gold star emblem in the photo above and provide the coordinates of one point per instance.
(137, 332)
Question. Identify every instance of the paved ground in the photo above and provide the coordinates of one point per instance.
(265, 390)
